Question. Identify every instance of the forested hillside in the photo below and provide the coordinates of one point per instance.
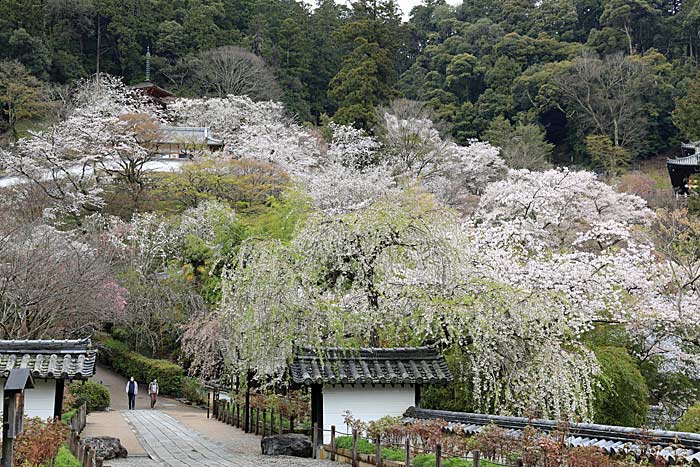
(595, 80)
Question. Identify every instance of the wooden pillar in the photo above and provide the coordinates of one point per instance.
(246, 421)
(333, 442)
(317, 408)
(58, 399)
(417, 398)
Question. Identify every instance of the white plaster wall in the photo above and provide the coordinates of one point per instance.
(38, 402)
(366, 403)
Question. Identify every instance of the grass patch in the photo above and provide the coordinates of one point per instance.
(393, 454)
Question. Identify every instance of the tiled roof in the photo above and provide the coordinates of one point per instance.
(409, 365)
(693, 159)
(188, 135)
(53, 359)
(672, 446)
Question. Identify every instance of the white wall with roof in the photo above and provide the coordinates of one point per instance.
(39, 401)
(366, 403)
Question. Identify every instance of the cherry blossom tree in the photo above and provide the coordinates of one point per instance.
(402, 271)
(103, 139)
(53, 285)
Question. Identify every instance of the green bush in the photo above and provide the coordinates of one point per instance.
(65, 458)
(94, 395)
(65, 418)
(623, 397)
(128, 363)
(193, 391)
(690, 421)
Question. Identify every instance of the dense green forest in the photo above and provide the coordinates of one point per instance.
(597, 80)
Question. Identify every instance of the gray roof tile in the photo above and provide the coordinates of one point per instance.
(53, 359)
(672, 445)
(402, 365)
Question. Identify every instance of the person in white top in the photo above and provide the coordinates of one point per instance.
(153, 391)
(132, 388)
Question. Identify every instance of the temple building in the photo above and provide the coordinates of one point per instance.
(184, 142)
(682, 168)
(52, 363)
(371, 383)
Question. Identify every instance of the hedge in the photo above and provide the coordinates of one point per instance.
(127, 363)
(95, 395)
(65, 458)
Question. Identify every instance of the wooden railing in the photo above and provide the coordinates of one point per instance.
(261, 421)
(85, 454)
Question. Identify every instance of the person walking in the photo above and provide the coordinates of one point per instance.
(153, 391)
(132, 388)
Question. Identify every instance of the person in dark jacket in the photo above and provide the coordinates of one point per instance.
(132, 389)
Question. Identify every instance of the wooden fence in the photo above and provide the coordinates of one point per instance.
(261, 421)
(85, 454)
(356, 459)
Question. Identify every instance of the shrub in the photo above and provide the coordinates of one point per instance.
(65, 458)
(690, 421)
(65, 418)
(94, 395)
(623, 397)
(38, 444)
(128, 363)
(193, 391)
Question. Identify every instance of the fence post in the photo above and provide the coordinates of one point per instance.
(408, 453)
(236, 418)
(279, 420)
(354, 447)
(314, 440)
(257, 420)
(333, 442)
(91, 458)
(378, 453)
(476, 455)
(438, 455)
(291, 424)
(264, 425)
(272, 422)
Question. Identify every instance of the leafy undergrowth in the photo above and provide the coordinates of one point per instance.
(64, 458)
(39, 443)
(65, 418)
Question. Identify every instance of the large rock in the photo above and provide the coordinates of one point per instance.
(287, 445)
(106, 447)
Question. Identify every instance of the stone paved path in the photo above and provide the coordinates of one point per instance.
(169, 441)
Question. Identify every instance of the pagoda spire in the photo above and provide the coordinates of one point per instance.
(148, 64)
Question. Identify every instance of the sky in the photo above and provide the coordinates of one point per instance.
(407, 5)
